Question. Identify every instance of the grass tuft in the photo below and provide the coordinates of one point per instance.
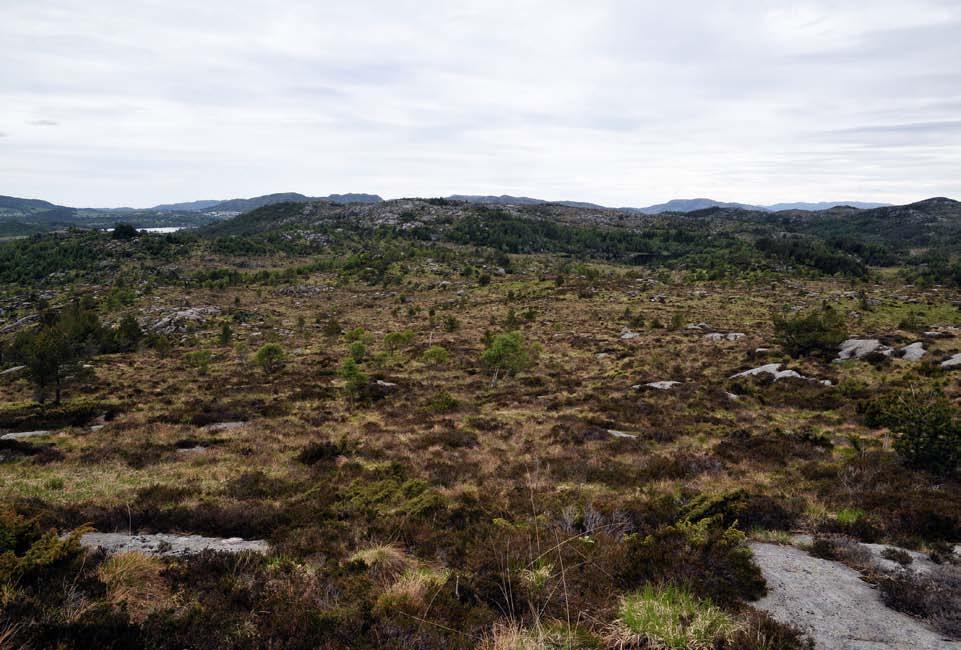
(669, 618)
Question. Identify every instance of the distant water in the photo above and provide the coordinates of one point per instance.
(160, 230)
(164, 229)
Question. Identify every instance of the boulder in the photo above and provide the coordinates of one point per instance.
(913, 352)
(860, 348)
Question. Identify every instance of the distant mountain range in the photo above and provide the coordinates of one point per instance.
(675, 205)
(25, 216)
(245, 205)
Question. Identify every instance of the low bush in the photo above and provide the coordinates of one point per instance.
(819, 331)
(927, 424)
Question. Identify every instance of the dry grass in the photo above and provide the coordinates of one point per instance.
(134, 582)
(385, 562)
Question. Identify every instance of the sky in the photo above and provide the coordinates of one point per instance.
(620, 102)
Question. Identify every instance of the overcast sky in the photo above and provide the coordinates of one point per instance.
(624, 103)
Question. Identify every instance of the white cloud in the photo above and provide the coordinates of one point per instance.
(619, 102)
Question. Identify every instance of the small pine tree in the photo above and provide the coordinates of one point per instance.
(270, 358)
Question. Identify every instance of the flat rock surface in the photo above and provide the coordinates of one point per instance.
(24, 434)
(830, 603)
(169, 545)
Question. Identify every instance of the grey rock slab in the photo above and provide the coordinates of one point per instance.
(169, 545)
(16, 370)
(621, 434)
(661, 385)
(628, 335)
(920, 563)
(225, 426)
(24, 434)
(834, 606)
(860, 348)
(773, 369)
(953, 362)
(913, 352)
(717, 337)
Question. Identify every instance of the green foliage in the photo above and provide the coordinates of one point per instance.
(818, 331)
(355, 380)
(397, 340)
(226, 334)
(332, 328)
(27, 552)
(199, 360)
(928, 428)
(669, 617)
(706, 557)
(270, 358)
(358, 351)
(124, 231)
(59, 345)
(813, 253)
(443, 402)
(434, 356)
(451, 324)
(507, 354)
(129, 334)
(357, 334)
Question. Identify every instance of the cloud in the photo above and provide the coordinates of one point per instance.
(43, 123)
(622, 102)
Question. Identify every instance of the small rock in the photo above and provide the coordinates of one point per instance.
(661, 385)
(225, 426)
(628, 335)
(953, 362)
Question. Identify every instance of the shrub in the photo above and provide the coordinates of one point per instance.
(928, 428)
(332, 328)
(507, 354)
(397, 340)
(355, 380)
(270, 358)
(128, 334)
(199, 360)
(669, 617)
(434, 356)
(226, 334)
(819, 331)
(451, 324)
(443, 402)
(706, 557)
(934, 597)
(124, 231)
(316, 452)
(358, 351)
